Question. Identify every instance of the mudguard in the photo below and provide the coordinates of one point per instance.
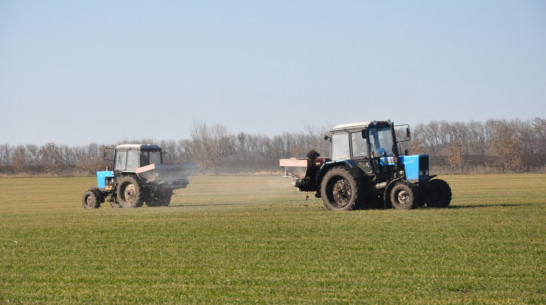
(350, 164)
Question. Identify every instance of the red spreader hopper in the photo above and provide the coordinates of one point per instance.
(301, 167)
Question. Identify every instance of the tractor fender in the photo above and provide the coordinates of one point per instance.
(124, 174)
(132, 174)
(348, 164)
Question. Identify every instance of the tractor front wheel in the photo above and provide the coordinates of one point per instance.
(404, 196)
(91, 199)
(437, 193)
(339, 190)
(129, 193)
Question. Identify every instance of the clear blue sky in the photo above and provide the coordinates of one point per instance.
(76, 72)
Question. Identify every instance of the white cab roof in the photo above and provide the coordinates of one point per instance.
(351, 126)
(136, 147)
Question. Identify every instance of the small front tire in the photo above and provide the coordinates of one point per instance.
(437, 193)
(91, 199)
(404, 196)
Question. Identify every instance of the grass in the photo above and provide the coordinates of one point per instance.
(257, 240)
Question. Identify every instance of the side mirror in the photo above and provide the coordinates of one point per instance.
(327, 138)
(108, 154)
(408, 133)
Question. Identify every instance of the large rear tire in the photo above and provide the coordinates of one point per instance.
(91, 199)
(129, 193)
(437, 194)
(339, 190)
(404, 196)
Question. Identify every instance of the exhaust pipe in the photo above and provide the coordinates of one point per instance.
(380, 186)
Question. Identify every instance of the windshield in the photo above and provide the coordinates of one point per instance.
(381, 142)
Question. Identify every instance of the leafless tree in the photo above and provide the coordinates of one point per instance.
(455, 153)
(51, 158)
(209, 145)
(5, 154)
(170, 151)
(33, 154)
(505, 148)
(19, 159)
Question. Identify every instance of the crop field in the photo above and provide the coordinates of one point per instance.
(257, 240)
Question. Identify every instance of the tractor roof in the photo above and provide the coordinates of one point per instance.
(361, 125)
(137, 147)
(350, 126)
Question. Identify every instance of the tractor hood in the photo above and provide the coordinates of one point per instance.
(416, 167)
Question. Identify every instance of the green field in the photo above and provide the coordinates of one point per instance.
(257, 240)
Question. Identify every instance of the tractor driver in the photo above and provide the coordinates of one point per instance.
(376, 146)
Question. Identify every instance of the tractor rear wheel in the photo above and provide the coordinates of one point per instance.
(404, 196)
(339, 190)
(437, 193)
(129, 193)
(91, 199)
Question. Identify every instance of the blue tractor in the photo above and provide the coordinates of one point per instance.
(367, 170)
(139, 177)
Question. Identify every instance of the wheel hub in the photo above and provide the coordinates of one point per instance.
(130, 193)
(90, 201)
(342, 192)
(403, 197)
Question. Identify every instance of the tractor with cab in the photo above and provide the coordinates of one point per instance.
(139, 176)
(368, 170)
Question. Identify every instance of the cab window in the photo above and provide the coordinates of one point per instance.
(133, 160)
(121, 159)
(359, 147)
(340, 146)
(150, 157)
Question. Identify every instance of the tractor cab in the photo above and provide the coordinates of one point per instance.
(129, 157)
(371, 145)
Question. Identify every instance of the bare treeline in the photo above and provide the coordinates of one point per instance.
(491, 147)
(461, 147)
